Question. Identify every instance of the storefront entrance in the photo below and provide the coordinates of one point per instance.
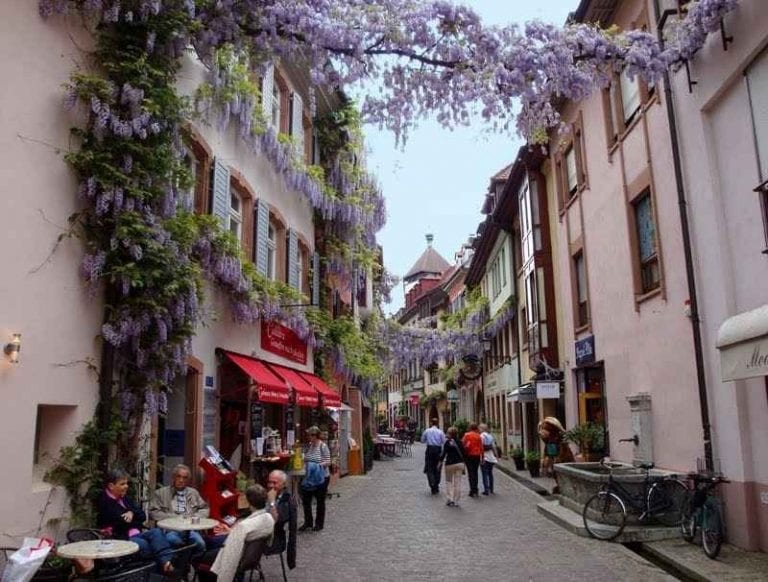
(590, 386)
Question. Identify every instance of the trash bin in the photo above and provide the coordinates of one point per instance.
(354, 461)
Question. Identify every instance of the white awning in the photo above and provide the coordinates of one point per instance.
(743, 344)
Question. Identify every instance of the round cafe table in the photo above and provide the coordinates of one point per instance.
(185, 524)
(97, 549)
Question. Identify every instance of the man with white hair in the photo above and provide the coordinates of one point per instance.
(178, 499)
(282, 505)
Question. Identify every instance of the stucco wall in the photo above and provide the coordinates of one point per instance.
(41, 294)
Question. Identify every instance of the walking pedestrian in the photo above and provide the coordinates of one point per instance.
(317, 459)
(489, 459)
(453, 458)
(473, 452)
(434, 439)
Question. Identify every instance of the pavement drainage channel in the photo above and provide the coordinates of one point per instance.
(637, 548)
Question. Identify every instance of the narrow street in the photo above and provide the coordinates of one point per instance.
(386, 526)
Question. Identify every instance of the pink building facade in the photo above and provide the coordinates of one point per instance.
(723, 135)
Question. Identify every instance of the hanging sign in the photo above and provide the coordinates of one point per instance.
(282, 341)
(585, 350)
(548, 390)
(257, 419)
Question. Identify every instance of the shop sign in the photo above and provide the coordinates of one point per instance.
(452, 395)
(415, 385)
(548, 390)
(745, 360)
(585, 350)
(282, 341)
(415, 399)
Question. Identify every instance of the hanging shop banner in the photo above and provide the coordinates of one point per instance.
(282, 341)
(585, 350)
(257, 419)
(548, 390)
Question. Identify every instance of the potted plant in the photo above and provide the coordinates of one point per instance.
(588, 436)
(533, 460)
(518, 456)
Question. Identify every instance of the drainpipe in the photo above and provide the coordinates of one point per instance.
(519, 350)
(689, 269)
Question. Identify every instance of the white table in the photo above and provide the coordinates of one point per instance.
(97, 549)
(185, 524)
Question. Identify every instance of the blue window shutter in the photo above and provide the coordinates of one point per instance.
(267, 86)
(293, 259)
(316, 280)
(262, 236)
(220, 192)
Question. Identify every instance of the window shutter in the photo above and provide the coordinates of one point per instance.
(297, 123)
(220, 192)
(316, 279)
(262, 236)
(267, 86)
(293, 259)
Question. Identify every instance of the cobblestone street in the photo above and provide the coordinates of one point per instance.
(387, 526)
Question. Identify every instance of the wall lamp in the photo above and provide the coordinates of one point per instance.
(486, 342)
(13, 348)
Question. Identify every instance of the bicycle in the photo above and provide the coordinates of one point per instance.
(702, 510)
(605, 513)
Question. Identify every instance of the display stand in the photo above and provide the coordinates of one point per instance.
(219, 488)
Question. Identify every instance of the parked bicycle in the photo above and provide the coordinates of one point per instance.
(661, 498)
(702, 511)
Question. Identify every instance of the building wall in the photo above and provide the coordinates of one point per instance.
(720, 172)
(41, 294)
(644, 342)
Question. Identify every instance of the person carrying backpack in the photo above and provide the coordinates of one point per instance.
(317, 460)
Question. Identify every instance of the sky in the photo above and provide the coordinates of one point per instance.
(437, 182)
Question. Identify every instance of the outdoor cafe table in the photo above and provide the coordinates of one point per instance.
(97, 549)
(185, 524)
(386, 444)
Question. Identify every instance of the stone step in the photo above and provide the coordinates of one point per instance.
(573, 522)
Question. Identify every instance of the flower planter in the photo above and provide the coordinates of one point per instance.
(534, 468)
(519, 463)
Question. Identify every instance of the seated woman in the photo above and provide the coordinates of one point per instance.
(124, 520)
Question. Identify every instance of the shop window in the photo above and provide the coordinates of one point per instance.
(645, 231)
(580, 280)
(53, 429)
(590, 386)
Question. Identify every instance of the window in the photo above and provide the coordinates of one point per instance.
(272, 252)
(630, 96)
(645, 230)
(277, 97)
(571, 173)
(580, 276)
(235, 214)
(503, 263)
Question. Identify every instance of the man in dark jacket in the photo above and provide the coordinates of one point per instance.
(282, 505)
(124, 520)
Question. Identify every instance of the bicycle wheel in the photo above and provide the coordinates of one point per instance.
(711, 529)
(688, 520)
(665, 501)
(604, 516)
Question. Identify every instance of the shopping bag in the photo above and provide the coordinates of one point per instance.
(24, 562)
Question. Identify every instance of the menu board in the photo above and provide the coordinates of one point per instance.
(257, 419)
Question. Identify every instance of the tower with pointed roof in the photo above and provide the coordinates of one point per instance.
(425, 273)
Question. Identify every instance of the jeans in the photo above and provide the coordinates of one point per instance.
(431, 462)
(153, 544)
(306, 500)
(487, 470)
(179, 538)
(473, 464)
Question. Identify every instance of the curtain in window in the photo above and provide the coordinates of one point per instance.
(646, 229)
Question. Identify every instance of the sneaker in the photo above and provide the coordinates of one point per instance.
(305, 527)
(317, 528)
(450, 503)
(486, 493)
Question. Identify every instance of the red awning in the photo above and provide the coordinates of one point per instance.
(330, 396)
(270, 387)
(305, 394)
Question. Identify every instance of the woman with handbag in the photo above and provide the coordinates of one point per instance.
(453, 457)
(489, 459)
(317, 459)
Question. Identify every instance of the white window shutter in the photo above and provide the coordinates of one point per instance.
(293, 259)
(297, 123)
(262, 237)
(267, 86)
(316, 279)
(220, 192)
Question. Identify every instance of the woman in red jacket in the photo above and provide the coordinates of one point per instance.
(472, 443)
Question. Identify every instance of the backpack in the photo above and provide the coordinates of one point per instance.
(314, 478)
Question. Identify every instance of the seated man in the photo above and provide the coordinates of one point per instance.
(178, 499)
(124, 520)
(259, 524)
(282, 506)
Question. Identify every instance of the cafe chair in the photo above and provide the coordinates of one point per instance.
(141, 573)
(84, 534)
(250, 560)
(181, 560)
